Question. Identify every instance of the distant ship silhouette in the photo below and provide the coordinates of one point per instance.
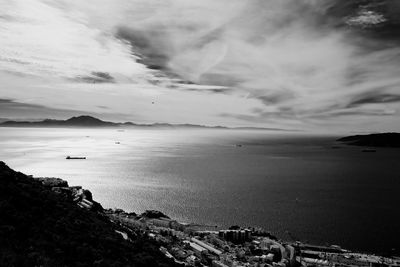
(69, 157)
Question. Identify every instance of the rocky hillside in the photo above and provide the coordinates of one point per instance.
(43, 223)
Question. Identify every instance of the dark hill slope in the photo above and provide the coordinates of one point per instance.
(373, 140)
(39, 227)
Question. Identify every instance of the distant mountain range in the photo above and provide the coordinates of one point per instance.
(89, 121)
(373, 140)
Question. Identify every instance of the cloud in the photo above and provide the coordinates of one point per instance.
(12, 109)
(284, 53)
(151, 51)
(42, 40)
(103, 107)
(276, 97)
(211, 90)
(365, 113)
(287, 62)
(373, 98)
(97, 77)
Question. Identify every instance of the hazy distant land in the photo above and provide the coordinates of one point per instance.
(89, 121)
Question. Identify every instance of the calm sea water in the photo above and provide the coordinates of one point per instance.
(281, 182)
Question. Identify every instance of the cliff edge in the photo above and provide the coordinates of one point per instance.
(43, 224)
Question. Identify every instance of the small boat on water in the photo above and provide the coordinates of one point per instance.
(69, 157)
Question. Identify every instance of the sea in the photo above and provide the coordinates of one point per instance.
(298, 186)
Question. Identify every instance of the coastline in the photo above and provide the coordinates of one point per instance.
(44, 222)
(172, 236)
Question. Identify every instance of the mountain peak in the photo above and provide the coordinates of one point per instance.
(85, 120)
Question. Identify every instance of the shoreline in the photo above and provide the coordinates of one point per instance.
(158, 219)
(83, 198)
(47, 223)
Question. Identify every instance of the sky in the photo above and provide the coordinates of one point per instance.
(310, 65)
